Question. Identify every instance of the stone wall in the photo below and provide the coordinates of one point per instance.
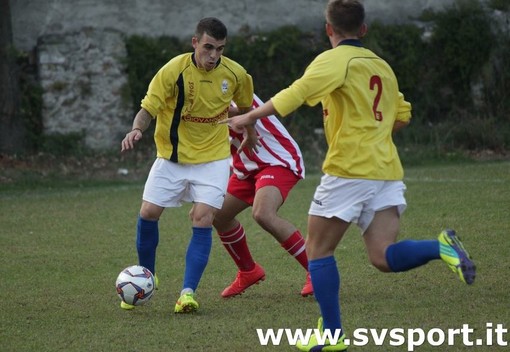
(80, 47)
(83, 76)
(34, 18)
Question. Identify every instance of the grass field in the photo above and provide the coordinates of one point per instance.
(62, 248)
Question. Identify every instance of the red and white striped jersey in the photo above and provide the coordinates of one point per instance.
(278, 148)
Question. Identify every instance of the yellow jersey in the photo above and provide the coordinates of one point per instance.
(361, 102)
(187, 103)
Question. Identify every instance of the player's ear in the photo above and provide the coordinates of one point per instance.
(194, 42)
(363, 30)
(329, 29)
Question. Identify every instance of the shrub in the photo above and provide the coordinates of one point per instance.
(401, 45)
(276, 58)
(459, 47)
(145, 56)
(64, 144)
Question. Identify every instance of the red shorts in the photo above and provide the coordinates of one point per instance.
(278, 176)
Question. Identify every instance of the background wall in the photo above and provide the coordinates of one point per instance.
(33, 18)
(80, 50)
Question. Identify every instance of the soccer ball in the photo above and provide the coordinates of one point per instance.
(135, 285)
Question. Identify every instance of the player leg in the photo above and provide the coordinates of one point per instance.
(163, 189)
(233, 237)
(197, 256)
(207, 187)
(231, 232)
(380, 223)
(147, 238)
(388, 255)
(147, 235)
(272, 188)
(324, 234)
(336, 204)
(158, 194)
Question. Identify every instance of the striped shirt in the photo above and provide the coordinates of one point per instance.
(278, 148)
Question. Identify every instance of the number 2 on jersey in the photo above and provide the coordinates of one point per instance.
(376, 83)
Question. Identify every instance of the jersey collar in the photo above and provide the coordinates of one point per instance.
(353, 42)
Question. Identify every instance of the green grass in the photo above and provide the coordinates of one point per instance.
(62, 248)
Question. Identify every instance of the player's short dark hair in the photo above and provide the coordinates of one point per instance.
(213, 27)
(346, 16)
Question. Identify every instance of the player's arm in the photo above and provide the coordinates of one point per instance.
(403, 113)
(140, 123)
(240, 122)
(250, 141)
(398, 125)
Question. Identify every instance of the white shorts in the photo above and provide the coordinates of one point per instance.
(169, 183)
(356, 200)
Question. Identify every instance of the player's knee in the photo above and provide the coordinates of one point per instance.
(201, 219)
(218, 222)
(262, 218)
(380, 263)
(149, 211)
(222, 224)
(149, 215)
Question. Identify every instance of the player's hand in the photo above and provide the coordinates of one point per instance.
(239, 122)
(131, 138)
(250, 142)
(228, 121)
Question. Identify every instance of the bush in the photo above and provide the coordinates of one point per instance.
(274, 59)
(402, 47)
(458, 49)
(64, 144)
(453, 70)
(145, 56)
(452, 67)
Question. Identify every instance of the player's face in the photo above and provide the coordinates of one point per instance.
(208, 51)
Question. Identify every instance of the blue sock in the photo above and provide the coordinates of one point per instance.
(326, 285)
(410, 254)
(147, 238)
(197, 256)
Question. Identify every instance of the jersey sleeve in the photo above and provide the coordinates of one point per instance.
(243, 96)
(404, 109)
(317, 82)
(161, 88)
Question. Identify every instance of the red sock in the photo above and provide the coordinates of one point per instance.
(295, 246)
(237, 246)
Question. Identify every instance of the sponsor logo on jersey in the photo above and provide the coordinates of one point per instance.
(212, 120)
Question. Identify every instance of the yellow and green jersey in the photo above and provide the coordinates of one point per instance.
(361, 102)
(187, 103)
